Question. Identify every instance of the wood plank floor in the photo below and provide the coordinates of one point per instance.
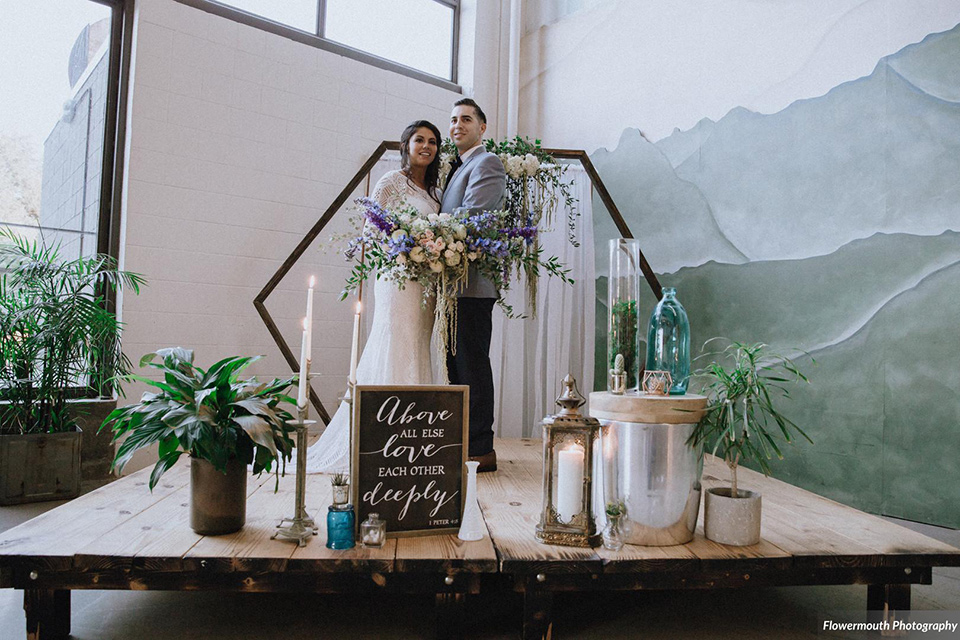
(124, 527)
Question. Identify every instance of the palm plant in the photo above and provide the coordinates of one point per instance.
(58, 338)
(211, 414)
(741, 422)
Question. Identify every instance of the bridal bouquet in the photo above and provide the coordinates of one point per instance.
(436, 251)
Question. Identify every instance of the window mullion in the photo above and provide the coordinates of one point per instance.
(321, 18)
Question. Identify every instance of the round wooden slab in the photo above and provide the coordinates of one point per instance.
(685, 409)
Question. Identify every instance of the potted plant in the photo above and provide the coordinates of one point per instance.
(223, 423)
(59, 348)
(340, 483)
(741, 423)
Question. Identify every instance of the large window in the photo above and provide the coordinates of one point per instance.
(419, 34)
(59, 117)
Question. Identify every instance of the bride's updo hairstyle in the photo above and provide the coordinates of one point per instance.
(432, 177)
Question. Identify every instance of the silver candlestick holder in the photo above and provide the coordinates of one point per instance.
(301, 526)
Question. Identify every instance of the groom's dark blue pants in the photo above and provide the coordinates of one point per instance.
(471, 366)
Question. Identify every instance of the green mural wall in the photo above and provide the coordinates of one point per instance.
(832, 227)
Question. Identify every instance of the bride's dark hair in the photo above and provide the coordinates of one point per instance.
(432, 176)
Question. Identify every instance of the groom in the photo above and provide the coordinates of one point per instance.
(477, 182)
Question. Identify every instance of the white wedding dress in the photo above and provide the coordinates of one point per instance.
(398, 347)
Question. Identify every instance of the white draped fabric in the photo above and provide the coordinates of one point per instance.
(531, 356)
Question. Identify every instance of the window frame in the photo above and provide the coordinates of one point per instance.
(318, 40)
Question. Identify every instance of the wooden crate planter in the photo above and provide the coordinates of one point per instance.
(39, 466)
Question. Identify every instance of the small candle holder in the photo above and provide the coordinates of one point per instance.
(340, 526)
(373, 531)
(569, 439)
(657, 383)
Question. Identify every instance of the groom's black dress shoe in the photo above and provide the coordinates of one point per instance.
(488, 461)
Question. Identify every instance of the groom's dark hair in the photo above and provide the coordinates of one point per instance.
(470, 102)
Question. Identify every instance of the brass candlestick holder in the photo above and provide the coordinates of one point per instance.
(301, 526)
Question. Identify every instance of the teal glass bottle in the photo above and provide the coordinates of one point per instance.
(668, 341)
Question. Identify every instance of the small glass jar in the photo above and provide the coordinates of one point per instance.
(612, 537)
(373, 531)
(340, 526)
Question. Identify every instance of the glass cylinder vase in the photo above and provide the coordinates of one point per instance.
(623, 303)
(668, 341)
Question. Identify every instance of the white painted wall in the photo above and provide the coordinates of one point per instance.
(590, 68)
(238, 140)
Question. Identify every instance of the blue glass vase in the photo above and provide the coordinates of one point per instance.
(668, 341)
(340, 526)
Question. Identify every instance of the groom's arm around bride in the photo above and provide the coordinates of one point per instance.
(476, 183)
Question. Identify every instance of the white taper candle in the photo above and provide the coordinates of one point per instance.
(302, 384)
(355, 346)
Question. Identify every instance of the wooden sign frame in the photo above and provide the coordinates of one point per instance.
(358, 487)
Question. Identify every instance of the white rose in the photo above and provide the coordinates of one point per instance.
(531, 165)
(433, 218)
(416, 254)
(399, 234)
(443, 216)
(436, 267)
(515, 167)
(472, 256)
(460, 232)
(452, 258)
(459, 246)
(441, 244)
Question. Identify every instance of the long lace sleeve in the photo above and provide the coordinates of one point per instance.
(389, 191)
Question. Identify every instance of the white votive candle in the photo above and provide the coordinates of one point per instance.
(569, 483)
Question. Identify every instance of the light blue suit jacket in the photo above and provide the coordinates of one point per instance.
(480, 184)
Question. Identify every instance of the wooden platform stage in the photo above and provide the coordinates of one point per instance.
(123, 537)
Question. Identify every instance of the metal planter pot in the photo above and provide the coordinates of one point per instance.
(645, 462)
(732, 521)
(39, 466)
(218, 501)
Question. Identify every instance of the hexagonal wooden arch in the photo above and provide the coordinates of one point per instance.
(260, 301)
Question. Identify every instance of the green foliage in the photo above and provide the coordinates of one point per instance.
(212, 414)
(616, 509)
(741, 422)
(623, 339)
(58, 339)
(340, 480)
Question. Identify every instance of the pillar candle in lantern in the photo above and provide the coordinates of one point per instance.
(569, 482)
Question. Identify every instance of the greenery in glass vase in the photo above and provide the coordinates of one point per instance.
(58, 338)
(742, 421)
(211, 414)
(623, 339)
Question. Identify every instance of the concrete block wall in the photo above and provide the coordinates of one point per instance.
(238, 141)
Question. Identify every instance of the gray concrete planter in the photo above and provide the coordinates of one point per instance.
(732, 521)
(39, 466)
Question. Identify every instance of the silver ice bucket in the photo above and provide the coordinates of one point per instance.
(645, 462)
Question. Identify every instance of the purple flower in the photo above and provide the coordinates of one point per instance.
(377, 215)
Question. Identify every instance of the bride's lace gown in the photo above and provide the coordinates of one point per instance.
(398, 347)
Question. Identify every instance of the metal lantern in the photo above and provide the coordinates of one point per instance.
(569, 439)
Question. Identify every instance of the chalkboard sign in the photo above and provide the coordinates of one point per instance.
(410, 443)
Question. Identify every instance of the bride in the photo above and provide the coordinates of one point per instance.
(398, 348)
